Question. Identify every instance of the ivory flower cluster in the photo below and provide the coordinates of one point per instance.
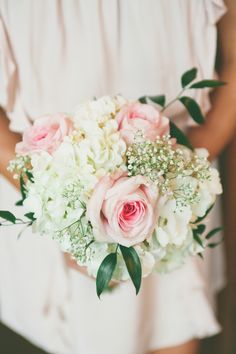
(109, 175)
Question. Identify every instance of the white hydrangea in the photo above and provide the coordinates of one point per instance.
(99, 251)
(176, 256)
(173, 224)
(147, 260)
(207, 190)
(94, 113)
(52, 174)
(100, 153)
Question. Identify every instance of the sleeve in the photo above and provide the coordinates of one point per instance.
(8, 74)
(215, 9)
(205, 43)
(10, 98)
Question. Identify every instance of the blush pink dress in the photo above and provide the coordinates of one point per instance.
(53, 54)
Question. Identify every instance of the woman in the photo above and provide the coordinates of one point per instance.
(55, 54)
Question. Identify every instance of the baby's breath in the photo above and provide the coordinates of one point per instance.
(20, 165)
(200, 167)
(77, 237)
(185, 195)
(72, 193)
(163, 161)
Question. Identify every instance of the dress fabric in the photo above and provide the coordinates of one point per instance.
(53, 55)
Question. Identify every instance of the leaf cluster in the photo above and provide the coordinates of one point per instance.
(200, 228)
(188, 102)
(108, 265)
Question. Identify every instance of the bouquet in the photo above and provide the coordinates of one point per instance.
(118, 185)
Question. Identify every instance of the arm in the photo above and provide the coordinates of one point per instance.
(8, 141)
(220, 124)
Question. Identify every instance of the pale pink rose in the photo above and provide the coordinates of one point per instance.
(123, 210)
(46, 134)
(137, 116)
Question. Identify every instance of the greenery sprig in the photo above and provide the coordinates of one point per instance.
(108, 265)
(189, 103)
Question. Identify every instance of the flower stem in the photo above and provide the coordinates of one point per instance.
(174, 100)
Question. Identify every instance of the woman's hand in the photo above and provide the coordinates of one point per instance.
(71, 263)
(8, 141)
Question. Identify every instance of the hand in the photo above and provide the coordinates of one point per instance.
(8, 141)
(71, 263)
(204, 136)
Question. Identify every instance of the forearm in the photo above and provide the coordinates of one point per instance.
(220, 124)
(8, 141)
(221, 120)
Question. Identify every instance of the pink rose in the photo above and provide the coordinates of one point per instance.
(137, 116)
(123, 210)
(46, 134)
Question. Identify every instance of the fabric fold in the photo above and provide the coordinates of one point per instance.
(7, 71)
(10, 99)
(216, 9)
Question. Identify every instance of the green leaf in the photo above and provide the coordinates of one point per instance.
(105, 272)
(133, 265)
(207, 83)
(197, 238)
(30, 216)
(22, 188)
(143, 99)
(200, 255)
(214, 232)
(30, 176)
(214, 244)
(160, 99)
(200, 218)
(193, 109)
(188, 77)
(7, 215)
(197, 234)
(181, 138)
(201, 228)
